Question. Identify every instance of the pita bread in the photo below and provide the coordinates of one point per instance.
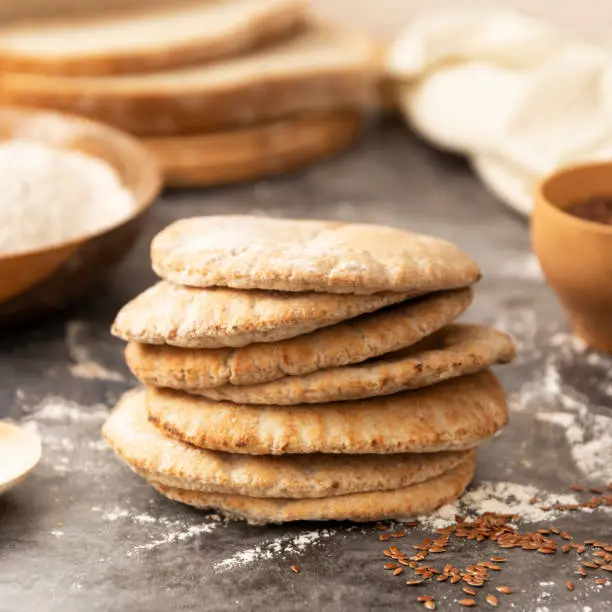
(454, 415)
(394, 504)
(219, 158)
(219, 317)
(299, 255)
(452, 351)
(352, 341)
(147, 451)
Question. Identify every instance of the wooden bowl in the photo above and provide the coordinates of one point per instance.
(576, 254)
(20, 451)
(48, 278)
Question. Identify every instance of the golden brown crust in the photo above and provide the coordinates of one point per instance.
(217, 158)
(352, 341)
(322, 69)
(258, 29)
(148, 452)
(453, 351)
(221, 317)
(457, 414)
(398, 503)
(301, 255)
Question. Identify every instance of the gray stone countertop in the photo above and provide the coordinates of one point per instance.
(83, 533)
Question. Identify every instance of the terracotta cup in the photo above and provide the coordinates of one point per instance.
(575, 254)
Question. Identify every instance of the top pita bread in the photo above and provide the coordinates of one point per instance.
(454, 415)
(142, 446)
(351, 341)
(298, 255)
(219, 317)
(452, 351)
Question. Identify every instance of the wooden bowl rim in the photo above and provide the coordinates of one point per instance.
(559, 213)
(144, 160)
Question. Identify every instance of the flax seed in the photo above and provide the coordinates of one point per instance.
(505, 590)
(582, 571)
(382, 526)
(430, 604)
(467, 603)
(469, 591)
(383, 537)
(398, 534)
(295, 569)
(498, 559)
(570, 585)
(608, 568)
(390, 565)
(589, 564)
(424, 598)
(577, 487)
(602, 581)
(492, 600)
(413, 582)
(398, 571)
(455, 579)
(436, 549)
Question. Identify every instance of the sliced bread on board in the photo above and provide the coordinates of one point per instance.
(324, 67)
(148, 39)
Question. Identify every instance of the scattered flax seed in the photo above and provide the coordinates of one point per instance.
(398, 534)
(468, 603)
(455, 579)
(382, 526)
(413, 582)
(566, 548)
(498, 559)
(570, 585)
(411, 524)
(398, 571)
(469, 591)
(437, 549)
(533, 501)
(384, 537)
(608, 568)
(602, 581)
(424, 598)
(505, 590)
(545, 508)
(295, 569)
(390, 565)
(582, 571)
(589, 564)
(430, 604)
(492, 600)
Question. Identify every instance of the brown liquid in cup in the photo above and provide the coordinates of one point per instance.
(597, 209)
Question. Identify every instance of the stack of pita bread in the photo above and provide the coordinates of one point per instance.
(307, 370)
(221, 90)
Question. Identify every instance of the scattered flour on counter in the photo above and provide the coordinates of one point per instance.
(280, 547)
(500, 498)
(84, 366)
(56, 408)
(588, 433)
(171, 530)
(524, 266)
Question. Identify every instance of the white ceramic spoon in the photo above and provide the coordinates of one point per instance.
(20, 451)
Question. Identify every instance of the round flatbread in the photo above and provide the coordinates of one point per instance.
(352, 341)
(298, 255)
(454, 415)
(221, 317)
(452, 351)
(393, 504)
(171, 463)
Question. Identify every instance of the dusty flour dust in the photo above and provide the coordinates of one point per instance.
(51, 196)
(283, 546)
(587, 428)
(84, 365)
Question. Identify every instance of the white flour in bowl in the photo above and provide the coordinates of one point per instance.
(52, 195)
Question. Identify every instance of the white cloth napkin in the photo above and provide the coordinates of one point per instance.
(517, 96)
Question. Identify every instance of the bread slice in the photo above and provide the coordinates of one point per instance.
(219, 158)
(325, 67)
(147, 39)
